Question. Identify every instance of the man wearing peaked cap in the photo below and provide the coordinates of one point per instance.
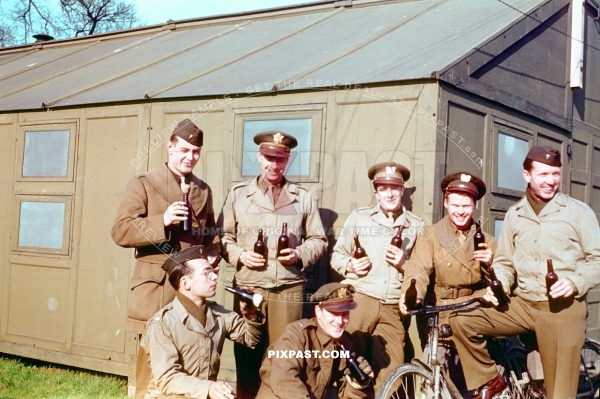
(316, 363)
(446, 251)
(172, 335)
(544, 224)
(150, 219)
(376, 328)
(266, 203)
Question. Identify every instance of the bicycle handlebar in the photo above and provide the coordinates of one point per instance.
(438, 309)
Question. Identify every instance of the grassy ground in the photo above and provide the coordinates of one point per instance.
(24, 378)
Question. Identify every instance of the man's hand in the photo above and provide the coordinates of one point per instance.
(484, 254)
(289, 257)
(395, 257)
(402, 304)
(563, 288)
(176, 212)
(252, 260)
(490, 297)
(360, 267)
(221, 390)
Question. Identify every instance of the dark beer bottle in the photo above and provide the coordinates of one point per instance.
(259, 245)
(478, 238)
(187, 223)
(355, 370)
(410, 297)
(551, 277)
(246, 296)
(359, 251)
(397, 239)
(283, 242)
(497, 288)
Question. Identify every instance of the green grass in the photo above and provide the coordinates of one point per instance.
(25, 378)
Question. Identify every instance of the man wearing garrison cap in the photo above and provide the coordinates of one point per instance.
(266, 203)
(150, 219)
(185, 338)
(545, 224)
(446, 251)
(318, 344)
(376, 328)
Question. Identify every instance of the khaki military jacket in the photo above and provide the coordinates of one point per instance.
(184, 356)
(566, 231)
(139, 224)
(309, 374)
(438, 252)
(375, 231)
(248, 209)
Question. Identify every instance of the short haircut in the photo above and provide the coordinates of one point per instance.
(174, 138)
(180, 270)
(528, 164)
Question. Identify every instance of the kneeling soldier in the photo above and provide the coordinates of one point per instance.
(185, 338)
(312, 354)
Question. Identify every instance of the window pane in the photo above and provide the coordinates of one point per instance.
(42, 224)
(511, 153)
(46, 153)
(498, 227)
(300, 158)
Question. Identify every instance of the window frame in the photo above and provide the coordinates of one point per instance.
(315, 112)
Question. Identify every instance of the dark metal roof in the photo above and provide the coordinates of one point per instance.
(321, 45)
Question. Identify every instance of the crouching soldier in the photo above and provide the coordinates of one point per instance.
(185, 338)
(310, 359)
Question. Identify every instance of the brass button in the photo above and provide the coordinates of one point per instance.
(449, 264)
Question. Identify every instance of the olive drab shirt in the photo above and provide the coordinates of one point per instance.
(566, 231)
(184, 355)
(439, 252)
(375, 231)
(139, 224)
(310, 373)
(248, 209)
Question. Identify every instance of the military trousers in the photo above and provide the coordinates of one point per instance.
(560, 336)
(378, 334)
(281, 306)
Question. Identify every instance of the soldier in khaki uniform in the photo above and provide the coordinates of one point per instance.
(316, 362)
(376, 328)
(149, 219)
(185, 338)
(267, 202)
(446, 251)
(545, 224)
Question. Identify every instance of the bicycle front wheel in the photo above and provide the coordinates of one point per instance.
(411, 381)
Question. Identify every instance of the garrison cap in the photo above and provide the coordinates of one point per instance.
(545, 154)
(389, 173)
(463, 182)
(275, 143)
(187, 130)
(195, 252)
(335, 297)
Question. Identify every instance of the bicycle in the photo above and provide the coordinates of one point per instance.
(420, 379)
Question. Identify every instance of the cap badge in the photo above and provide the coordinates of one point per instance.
(341, 293)
(390, 169)
(465, 178)
(191, 136)
(547, 156)
(277, 138)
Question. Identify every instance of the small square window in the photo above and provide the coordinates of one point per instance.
(300, 156)
(511, 153)
(46, 153)
(41, 224)
(498, 227)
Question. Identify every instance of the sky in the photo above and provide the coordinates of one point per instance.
(159, 11)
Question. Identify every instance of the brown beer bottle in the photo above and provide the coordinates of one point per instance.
(478, 238)
(497, 288)
(397, 239)
(551, 277)
(410, 297)
(359, 251)
(259, 245)
(187, 223)
(284, 241)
